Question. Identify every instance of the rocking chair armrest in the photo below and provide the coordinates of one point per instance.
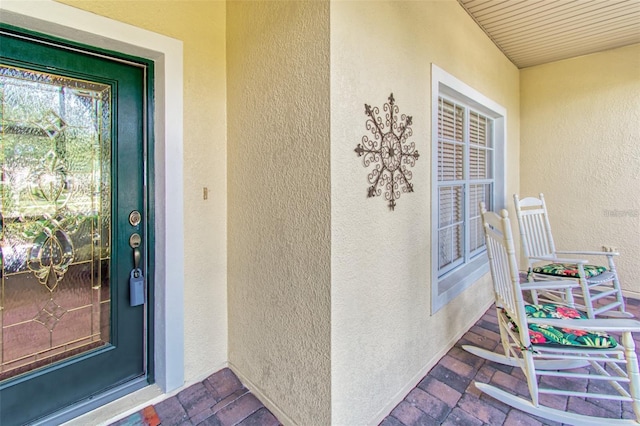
(559, 259)
(549, 285)
(618, 325)
(590, 253)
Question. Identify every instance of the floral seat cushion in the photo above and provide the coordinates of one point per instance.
(541, 334)
(568, 270)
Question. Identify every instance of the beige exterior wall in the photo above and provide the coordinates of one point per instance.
(327, 312)
(581, 147)
(201, 27)
(279, 205)
(384, 338)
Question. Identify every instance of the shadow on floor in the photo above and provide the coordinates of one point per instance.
(445, 396)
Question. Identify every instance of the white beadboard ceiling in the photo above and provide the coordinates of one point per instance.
(534, 32)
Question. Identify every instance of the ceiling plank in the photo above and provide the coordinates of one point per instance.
(532, 32)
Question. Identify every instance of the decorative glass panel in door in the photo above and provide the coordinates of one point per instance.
(55, 160)
(72, 171)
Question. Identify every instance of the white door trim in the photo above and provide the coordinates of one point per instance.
(49, 17)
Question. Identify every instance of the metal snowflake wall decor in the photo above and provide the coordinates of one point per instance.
(389, 152)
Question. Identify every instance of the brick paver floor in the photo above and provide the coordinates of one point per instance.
(219, 400)
(445, 396)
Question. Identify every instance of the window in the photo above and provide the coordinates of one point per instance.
(468, 167)
(465, 178)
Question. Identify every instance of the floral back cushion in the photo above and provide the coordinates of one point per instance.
(568, 270)
(541, 334)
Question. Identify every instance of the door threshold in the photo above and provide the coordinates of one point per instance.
(69, 414)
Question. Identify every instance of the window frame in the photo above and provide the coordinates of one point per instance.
(446, 287)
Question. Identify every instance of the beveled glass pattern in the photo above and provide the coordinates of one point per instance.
(55, 217)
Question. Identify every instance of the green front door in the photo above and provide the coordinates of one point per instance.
(72, 149)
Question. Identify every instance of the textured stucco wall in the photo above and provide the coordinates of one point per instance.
(581, 147)
(201, 27)
(279, 204)
(383, 335)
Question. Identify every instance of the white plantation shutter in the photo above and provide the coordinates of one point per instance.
(451, 226)
(450, 195)
(480, 176)
(477, 193)
(465, 177)
(468, 141)
(450, 141)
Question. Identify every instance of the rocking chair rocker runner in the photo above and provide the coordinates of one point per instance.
(552, 340)
(600, 285)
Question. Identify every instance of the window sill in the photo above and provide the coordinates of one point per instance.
(455, 282)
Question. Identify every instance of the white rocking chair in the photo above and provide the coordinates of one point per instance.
(552, 339)
(600, 286)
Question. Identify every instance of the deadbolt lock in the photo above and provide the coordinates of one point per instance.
(135, 218)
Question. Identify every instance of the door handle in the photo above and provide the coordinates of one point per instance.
(134, 241)
(136, 279)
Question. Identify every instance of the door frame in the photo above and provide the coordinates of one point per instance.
(65, 22)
